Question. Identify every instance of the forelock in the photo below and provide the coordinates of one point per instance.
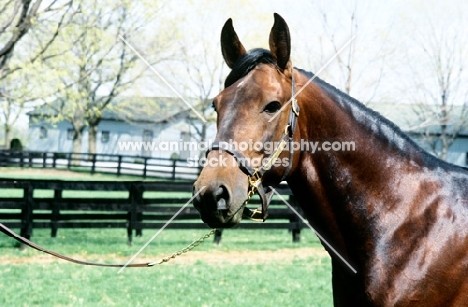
(247, 62)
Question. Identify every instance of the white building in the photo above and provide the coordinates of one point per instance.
(157, 120)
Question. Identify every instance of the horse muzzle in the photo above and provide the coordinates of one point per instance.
(219, 205)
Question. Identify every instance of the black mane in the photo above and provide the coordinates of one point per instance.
(247, 62)
(375, 122)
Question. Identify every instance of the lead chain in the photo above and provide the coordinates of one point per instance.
(252, 189)
(186, 249)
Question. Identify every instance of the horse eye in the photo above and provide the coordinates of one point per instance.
(272, 107)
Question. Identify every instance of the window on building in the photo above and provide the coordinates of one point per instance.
(70, 134)
(43, 132)
(147, 135)
(105, 136)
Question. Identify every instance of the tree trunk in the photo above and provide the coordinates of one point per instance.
(77, 138)
(92, 136)
(7, 136)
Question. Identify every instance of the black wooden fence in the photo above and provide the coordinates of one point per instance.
(132, 205)
(103, 163)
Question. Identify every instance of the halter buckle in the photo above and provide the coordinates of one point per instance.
(254, 180)
(294, 105)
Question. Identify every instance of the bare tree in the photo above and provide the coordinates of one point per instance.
(359, 68)
(205, 79)
(346, 59)
(200, 71)
(439, 92)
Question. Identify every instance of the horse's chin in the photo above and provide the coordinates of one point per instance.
(217, 224)
(222, 219)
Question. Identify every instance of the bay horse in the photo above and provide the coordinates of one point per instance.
(396, 213)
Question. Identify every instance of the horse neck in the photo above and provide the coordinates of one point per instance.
(347, 192)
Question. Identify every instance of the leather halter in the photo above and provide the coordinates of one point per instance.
(255, 175)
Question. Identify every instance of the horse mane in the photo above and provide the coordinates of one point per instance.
(378, 124)
(247, 62)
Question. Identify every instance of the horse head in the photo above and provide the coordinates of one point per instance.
(250, 126)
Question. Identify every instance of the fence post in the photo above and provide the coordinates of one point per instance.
(30, 162)
(217, 236)
(69, 160)
(93, 167)
(54, 160)
(21, 158)
(145, 161)
(55, 213)
(27, 214)
(295, 221)
(44, 160)
(119, 165)
(133, 217)
(173, 169)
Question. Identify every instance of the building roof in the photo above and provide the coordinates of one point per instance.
(130, 109)
(405, 116)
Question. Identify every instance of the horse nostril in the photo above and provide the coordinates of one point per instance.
(221, 205)
(221, 196)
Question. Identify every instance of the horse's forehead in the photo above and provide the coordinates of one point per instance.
(259, 80)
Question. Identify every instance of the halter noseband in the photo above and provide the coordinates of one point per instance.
(255, 175)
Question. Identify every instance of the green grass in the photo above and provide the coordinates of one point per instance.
(297, 282)
(28, 280)
(113, 241)
(196, 285)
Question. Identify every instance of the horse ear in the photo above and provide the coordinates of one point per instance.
(231, 47)
(280, 42)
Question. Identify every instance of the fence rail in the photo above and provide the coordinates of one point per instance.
(103, 163)
(133, 205)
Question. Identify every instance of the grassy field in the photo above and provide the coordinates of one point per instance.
(249, 268)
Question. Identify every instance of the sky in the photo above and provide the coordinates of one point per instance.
(385, 34)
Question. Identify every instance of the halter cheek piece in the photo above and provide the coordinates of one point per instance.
(255, 175)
